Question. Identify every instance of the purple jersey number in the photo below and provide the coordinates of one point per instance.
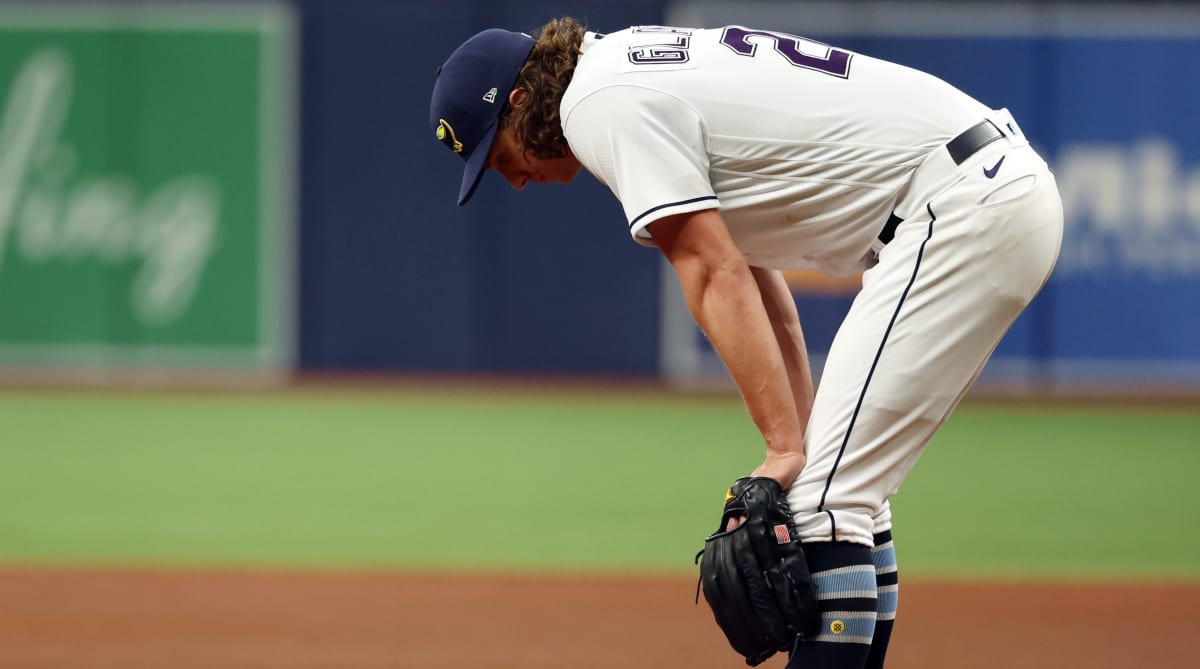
(835, 61)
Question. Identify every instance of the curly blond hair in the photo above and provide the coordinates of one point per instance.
(545, 76)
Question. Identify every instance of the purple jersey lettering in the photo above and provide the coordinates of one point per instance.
(673, 49)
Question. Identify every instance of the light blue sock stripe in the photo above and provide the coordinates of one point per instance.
(884, 556)
(856, 579)
(887, 602)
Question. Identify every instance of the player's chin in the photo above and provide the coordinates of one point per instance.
(569, 176)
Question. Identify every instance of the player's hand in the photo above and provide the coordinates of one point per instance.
(783, 467)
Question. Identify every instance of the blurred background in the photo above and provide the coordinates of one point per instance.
(244, 326)
(307, 223)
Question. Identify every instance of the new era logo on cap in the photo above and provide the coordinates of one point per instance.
(461, 117)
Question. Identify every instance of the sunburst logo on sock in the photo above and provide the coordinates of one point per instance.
(837, 627)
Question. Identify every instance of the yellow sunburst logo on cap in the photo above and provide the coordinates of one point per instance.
(445, 135)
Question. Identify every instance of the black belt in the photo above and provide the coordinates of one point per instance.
(971, 140)
(889, 229)
(960, 148)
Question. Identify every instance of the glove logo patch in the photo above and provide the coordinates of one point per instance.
(837, 627)
(782, 536)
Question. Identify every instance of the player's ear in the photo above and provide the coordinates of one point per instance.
(517, 97)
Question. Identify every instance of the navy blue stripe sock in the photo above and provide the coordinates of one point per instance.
(844, 576)
(887, 580)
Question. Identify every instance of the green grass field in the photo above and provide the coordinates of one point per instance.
(561, 479)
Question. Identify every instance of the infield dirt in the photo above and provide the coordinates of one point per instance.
(105, 619)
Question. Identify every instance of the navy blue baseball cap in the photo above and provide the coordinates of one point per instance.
(469, 94)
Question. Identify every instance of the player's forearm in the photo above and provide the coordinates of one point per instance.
(785, 322)
(725, 301)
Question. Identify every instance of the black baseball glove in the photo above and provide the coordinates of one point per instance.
(755, 578)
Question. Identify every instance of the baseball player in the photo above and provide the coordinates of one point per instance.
(741, 152)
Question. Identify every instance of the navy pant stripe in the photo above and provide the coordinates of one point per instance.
(874, 363)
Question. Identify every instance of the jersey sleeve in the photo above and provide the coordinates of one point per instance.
(648, 147)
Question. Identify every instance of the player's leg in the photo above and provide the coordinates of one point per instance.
(844, 576)
(887, 593)
(945, 290)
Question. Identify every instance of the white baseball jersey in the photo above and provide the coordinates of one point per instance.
(804, 147)
(807, 149)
